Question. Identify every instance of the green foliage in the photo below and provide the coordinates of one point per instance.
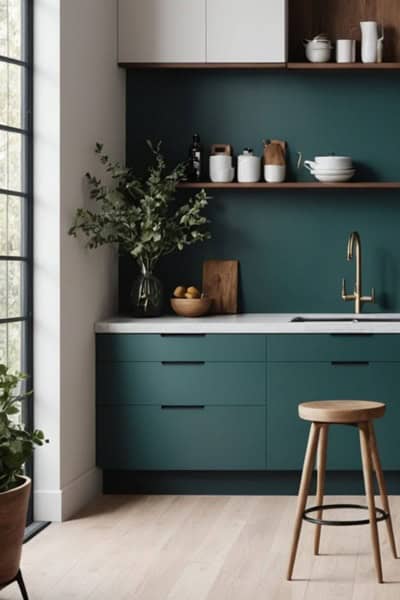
(141, 215)
(16, 444)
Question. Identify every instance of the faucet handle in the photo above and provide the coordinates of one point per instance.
(370, 298)
(345, 295)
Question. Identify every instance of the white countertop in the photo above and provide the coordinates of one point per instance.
(250, 323)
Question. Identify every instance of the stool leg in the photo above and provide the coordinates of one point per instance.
(369, 491)
(308, 467)
(21, 584)
(382, 487)
(321, 467)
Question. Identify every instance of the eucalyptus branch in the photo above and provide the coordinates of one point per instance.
(141, 216)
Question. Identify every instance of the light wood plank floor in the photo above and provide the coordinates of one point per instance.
(202, 548)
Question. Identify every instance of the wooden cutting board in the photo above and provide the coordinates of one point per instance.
(220, 282)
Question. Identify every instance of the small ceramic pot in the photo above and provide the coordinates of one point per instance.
(318, 50)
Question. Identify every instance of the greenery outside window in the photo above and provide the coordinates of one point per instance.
(16, 285)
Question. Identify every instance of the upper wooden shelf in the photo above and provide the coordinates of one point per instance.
(306, 66)
(294, 185)
(331, 66)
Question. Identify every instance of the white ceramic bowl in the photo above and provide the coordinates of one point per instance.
(329, 163)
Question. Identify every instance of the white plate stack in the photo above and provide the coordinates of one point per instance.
(331, 169)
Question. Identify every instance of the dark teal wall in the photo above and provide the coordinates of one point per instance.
(291, 244)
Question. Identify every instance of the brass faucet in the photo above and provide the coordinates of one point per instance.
(354, 240)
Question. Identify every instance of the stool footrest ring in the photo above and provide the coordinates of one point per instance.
(381, 515)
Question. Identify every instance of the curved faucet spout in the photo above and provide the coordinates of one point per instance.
(353, 238)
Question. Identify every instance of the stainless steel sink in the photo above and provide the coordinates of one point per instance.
(345, 320)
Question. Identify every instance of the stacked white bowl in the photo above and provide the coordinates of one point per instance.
(331, 169)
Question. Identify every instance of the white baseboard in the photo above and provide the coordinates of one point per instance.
(60, 505)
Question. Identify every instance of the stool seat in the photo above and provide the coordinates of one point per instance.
(341, 411)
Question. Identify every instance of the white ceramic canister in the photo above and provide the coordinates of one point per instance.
(249, 167)
(369, 41)
(221, 169)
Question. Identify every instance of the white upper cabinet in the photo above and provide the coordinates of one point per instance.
(162, 31)
(247, 31)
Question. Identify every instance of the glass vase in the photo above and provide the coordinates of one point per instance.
(147, 294)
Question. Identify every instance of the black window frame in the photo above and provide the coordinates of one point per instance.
(26, 63)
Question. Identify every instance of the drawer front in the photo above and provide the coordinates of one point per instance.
(157, 348)
(177, 383)
(326, 348)
(153, 438)
(290, 384)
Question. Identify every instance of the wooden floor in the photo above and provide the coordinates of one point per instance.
(202, 548)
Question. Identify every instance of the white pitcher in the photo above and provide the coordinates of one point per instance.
(369, 41)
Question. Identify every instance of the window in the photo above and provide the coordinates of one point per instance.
(16, 188)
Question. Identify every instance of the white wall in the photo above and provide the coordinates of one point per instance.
(82, 285)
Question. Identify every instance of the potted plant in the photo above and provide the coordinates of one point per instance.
(16, 448)
(142, 217)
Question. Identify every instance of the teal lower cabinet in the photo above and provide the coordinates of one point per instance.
(171, 437)
(214, 403)
(292, 383)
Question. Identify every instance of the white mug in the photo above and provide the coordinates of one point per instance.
(274, 173)
(345, 51)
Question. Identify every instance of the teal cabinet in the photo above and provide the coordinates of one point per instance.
(201, 438)
(292, 383)
(181, 383)
(181, 402)
(229, 402)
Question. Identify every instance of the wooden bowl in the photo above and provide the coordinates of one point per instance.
(191, 307)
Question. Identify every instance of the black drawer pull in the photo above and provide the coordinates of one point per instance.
(183, 335)
(350, 363)
(182, 406)
(167, 363)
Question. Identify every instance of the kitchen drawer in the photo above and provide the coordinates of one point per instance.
(327, 348)
(153, 438)
(292, 383)
(187, 383)
(157, 348)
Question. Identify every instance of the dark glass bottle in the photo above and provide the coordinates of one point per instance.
(195, 159)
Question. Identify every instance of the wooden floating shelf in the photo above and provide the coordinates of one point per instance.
(357, 66)
(290, 66)
(293, 185)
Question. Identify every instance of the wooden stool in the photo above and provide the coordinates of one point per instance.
(346, 412)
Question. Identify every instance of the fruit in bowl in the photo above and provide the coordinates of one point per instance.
(189, 302)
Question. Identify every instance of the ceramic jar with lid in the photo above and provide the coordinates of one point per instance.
(318, 50)
(249, 167)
